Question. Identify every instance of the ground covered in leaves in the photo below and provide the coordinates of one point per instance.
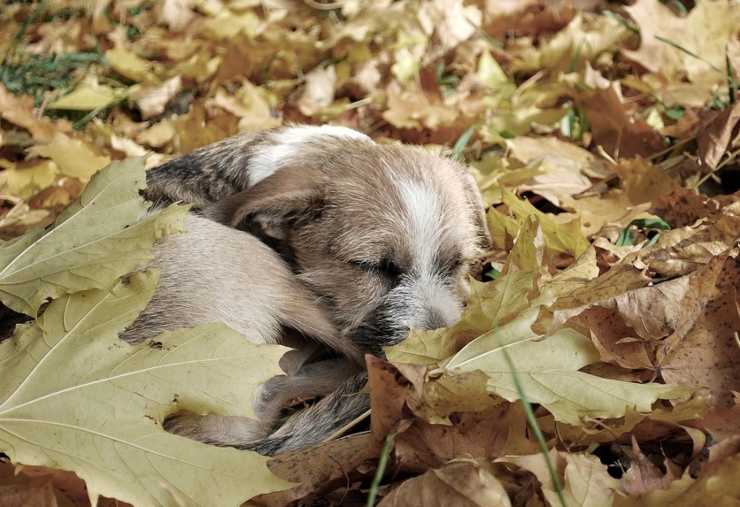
(597, 364)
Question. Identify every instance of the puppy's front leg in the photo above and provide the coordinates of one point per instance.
(225, 431)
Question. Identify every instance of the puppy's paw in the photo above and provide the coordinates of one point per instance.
(270, 399)
(215, 429)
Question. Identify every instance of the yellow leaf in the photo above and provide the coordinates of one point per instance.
(490, 72)
(565, 238)
(130, 65)
(73, 157)
(547, 369)
(503, 228)
(585, 37)
(26, 180)
(227, 25)
(88, 95)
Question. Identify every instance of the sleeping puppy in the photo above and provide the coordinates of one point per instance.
(382, 235)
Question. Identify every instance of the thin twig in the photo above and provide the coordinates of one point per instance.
(338, 433)
(731, 157)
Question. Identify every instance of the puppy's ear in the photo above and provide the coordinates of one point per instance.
(475, 200)
(292, 195)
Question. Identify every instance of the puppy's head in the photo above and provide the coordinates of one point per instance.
(384, 235)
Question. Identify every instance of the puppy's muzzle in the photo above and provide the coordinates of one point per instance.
(418, 304)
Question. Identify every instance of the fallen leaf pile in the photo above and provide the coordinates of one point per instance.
(598, 360)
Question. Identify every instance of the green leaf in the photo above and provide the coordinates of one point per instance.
(74, 396)
(547, 368)
(626, 236)
(492, 273)
(104, 235)
(675, 112)
(655, 223)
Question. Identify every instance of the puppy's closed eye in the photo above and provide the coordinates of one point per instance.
(386, 267)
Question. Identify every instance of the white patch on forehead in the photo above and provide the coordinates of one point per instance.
(423, 213)
(287, 144)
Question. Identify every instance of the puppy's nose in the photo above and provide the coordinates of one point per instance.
(434, 320)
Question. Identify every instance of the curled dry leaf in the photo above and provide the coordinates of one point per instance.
(643, 476)
(715, 136)
(319, 469)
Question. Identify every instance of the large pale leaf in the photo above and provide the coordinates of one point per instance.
(105, 234)
(547, 368)
(76, 397)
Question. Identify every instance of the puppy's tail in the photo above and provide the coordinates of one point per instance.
(314, 424)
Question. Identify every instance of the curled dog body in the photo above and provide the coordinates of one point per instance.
(382, 236)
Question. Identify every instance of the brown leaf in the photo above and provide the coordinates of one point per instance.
(709, 355)
(389, 391)
(643, 475)
(722, 420)
(20, 111)
(464, 484)
(615, 128)
(499, 430)
(644, 182)
(318, 469)
(614, 339)
(683, 207)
